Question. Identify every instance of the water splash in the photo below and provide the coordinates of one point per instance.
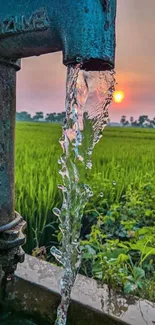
(88, 95)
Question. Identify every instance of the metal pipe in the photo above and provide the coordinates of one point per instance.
(83, 30)
(7, 136)
(11, 223)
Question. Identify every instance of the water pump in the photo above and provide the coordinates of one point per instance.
(84, 30)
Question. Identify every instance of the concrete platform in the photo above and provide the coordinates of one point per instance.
(36, 291)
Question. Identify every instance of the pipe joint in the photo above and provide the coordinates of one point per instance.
(11, 63)
(11, 240)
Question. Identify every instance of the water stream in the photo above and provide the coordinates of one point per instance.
(88, 95)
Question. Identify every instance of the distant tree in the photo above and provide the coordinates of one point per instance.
(61, 116)
(149, 125)
(135, 123)
(23, 116)
(55, 117)
(38, 116)
(152, 122)
(142, 119)
(131, 120)
(50, 117)
(58, 117)
(124, 121)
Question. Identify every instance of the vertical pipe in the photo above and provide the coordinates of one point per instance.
(7, 137)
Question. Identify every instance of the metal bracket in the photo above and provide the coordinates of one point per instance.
(11, 240)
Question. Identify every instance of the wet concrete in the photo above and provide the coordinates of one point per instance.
(36, 291)
(13, 320)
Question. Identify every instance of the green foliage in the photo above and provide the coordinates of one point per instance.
(118, 237)
(37, 152)
(120, 249)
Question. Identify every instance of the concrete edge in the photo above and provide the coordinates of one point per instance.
(36, 289)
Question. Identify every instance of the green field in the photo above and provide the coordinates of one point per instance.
(124, 156)
(122, 179)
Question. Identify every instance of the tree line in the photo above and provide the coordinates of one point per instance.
(142, 121)
(40, 116)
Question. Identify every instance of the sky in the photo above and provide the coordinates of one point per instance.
(41, 81)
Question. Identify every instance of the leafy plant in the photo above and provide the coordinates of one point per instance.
(128, 260)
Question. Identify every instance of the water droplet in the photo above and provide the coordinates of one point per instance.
(89, 165)
(57, 254)
(57, 212)
(80, 158)
(114, 183)
(62, 188)
(101, 194)
(91, 194)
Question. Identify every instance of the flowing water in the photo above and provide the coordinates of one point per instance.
(88, 95)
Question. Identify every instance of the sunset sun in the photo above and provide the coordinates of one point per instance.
(118, 96)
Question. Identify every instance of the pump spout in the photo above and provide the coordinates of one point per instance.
(83, 30)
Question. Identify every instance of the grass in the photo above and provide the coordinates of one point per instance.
(37, 152)
(124, 156)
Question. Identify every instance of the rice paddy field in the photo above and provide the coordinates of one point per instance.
(124, 157)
